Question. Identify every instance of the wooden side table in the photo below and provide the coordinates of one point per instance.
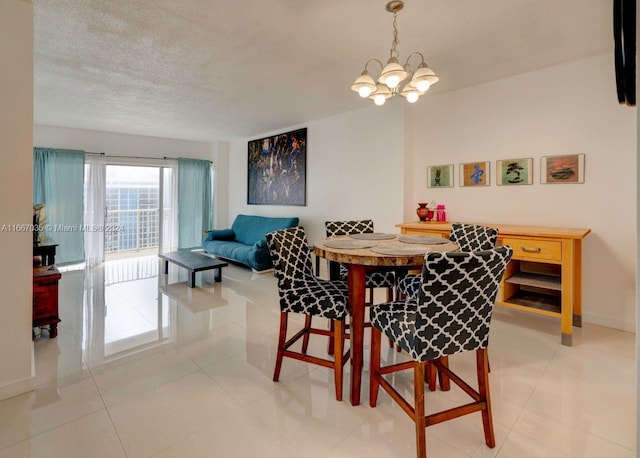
(45, 298)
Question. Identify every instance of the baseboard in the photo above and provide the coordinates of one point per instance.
(20, 386)
(609, 322)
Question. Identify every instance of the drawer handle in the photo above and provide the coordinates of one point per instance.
(527, 249)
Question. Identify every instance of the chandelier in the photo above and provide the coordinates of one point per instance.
(394, 78)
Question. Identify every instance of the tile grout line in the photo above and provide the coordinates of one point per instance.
(106, 409)
(522, 409)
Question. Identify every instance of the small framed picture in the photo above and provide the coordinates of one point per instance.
(440, 176)
(562, 169)
(474, 174)
(514, 171)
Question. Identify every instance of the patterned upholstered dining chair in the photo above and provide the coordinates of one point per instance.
(376, 279)
(338, 272)
(469, 237)
(451, 315)
(302, 292)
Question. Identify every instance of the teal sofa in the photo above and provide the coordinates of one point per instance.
(245, 241)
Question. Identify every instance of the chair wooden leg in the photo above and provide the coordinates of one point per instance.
(281, 341)
(419, 417)
(445, 383)
(374, 369)
(305, 338)
(339, 354)
(482, 361)
(431, 373)
(330, 345)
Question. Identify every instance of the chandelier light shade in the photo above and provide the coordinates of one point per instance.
(395, 78)
(364, 85)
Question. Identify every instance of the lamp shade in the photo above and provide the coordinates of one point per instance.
(392, 73)
(423, 78)
(381, 94)
(364, 85)
(412, 94)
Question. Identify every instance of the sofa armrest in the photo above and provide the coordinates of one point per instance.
(222, 234)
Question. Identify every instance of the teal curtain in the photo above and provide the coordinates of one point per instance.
(195, 212)
(58, 183)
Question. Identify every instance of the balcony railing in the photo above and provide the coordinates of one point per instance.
(136, 230)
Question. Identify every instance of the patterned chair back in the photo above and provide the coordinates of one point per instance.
(335, 228)
(470, 237)
(456, 301)
(291, 256)
(348, 227)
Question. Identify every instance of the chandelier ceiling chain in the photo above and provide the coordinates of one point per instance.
(395, 43)
(394, 78)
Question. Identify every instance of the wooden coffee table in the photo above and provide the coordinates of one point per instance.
(193, 262)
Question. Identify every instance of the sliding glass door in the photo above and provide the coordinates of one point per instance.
(132, 211)
(139, 207)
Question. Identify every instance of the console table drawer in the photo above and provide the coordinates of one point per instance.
(533, 250)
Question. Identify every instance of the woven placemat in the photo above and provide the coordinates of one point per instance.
(398, 249)
(423, 239)
(349, 244)
(373, 236)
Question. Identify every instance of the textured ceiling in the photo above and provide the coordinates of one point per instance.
(216, 70)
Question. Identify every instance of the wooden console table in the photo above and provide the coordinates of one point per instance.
(545, 272)
(45, 298)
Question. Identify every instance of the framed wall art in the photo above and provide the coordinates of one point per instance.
(562, 169)
(514, 171)
(440, 176)
(474, 174)
(277, 169)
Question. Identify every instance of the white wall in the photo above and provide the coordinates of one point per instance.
(119, 144)
(221, 180)
(16, 189)
(569, 108)
(355, 170)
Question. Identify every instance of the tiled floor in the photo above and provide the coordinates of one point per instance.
(148, 367)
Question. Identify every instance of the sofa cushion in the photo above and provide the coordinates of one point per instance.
(250, 229)
(244, 254)
(222, 234)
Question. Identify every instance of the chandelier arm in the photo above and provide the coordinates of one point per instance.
(409, 69)
(373, 60)
(415, 53)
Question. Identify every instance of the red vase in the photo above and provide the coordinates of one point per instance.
(422, 211)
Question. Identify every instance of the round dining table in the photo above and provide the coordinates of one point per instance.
(364, 254)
